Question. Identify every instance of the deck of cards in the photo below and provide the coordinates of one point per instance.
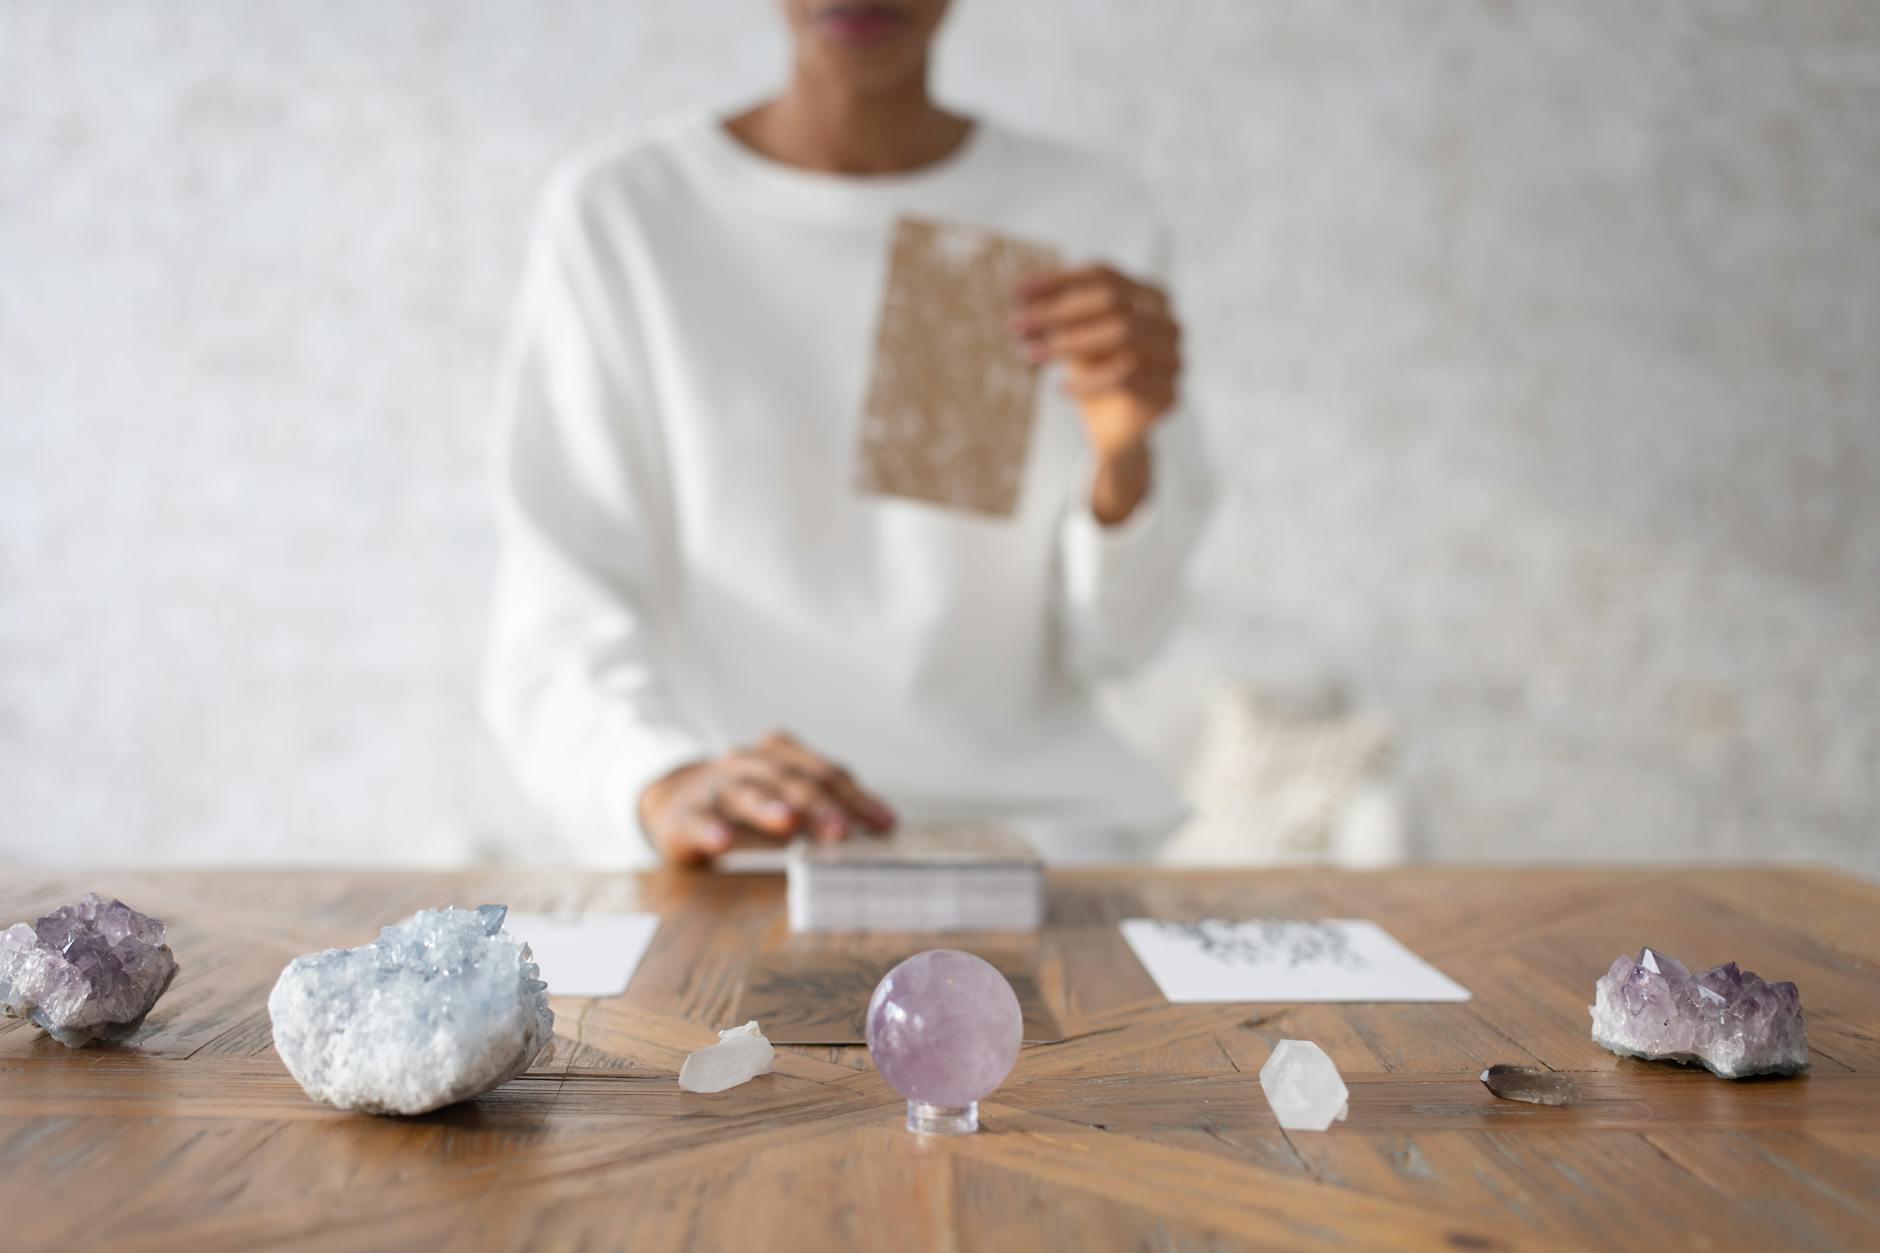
(943, 877)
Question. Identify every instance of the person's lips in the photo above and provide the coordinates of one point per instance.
(861, 23)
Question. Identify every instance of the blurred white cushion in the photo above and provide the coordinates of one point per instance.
(1300, 778)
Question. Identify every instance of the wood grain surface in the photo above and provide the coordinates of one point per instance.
(804, 992)
(1144, 1128)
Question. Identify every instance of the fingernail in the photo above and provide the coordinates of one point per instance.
(717, 837)
(777, 811)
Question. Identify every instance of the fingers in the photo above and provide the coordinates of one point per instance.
(821, 816)
(705, 809)
(1102, 374)
(692, 836)
(871, 809)
(677, 825)
(753, 797)
(1069, 305)
(1086, 292)
(757, 803)
(1096, 337)
(1148, 377)
(1052, 282)
(1099, 337)
(1080, 301)
(831, 783)
(1093, 316)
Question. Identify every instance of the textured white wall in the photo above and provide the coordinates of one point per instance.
(1539, 341)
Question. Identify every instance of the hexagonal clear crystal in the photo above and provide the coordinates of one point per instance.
(1303, 1086)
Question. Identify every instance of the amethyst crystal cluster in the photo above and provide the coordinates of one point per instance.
(85, 972)
(1727, 1020)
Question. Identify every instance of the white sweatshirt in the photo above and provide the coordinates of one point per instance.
(684, 563)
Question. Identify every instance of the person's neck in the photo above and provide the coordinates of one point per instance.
(836, 131)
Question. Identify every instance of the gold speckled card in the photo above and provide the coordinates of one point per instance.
(950, 401)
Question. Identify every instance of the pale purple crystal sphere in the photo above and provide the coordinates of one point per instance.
(944, 1028)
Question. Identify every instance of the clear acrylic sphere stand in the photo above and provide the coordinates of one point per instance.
(942, 1120)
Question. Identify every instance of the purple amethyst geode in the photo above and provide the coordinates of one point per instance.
(1727, 1020)
(85, 972)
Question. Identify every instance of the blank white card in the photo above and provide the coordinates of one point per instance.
(585, 954)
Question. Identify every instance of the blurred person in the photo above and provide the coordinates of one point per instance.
(684, 563)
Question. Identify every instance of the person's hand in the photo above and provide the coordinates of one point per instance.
(751, 796)
(1121, 349)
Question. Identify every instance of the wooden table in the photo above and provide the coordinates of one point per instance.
(1144, 1129)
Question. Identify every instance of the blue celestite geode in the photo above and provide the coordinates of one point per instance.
(84, 972)
(439, 1008)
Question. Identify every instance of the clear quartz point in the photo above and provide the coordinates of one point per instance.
(741, 1054)
(1303, 1087)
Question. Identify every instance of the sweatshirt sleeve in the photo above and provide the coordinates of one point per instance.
(1121, 587)
(572, 686)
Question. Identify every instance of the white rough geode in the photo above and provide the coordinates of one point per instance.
(439, 1008)
(741, 1054)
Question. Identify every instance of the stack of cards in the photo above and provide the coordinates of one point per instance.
(959, 877)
